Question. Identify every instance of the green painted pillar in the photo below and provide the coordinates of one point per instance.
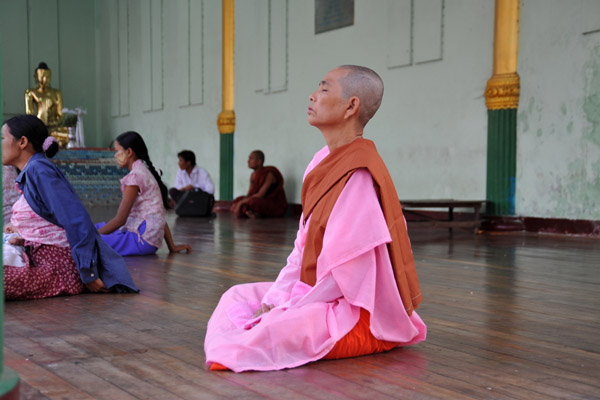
(226, 119)
(226, 167)
(501, 161)
(502, 100)
(9, 380)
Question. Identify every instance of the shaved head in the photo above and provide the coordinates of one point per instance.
(365, 84)
(259, 155)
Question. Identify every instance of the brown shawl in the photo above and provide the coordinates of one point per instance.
(320, 191)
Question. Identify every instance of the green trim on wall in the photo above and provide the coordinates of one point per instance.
(501, 161)
(226, 167)
(9, 379)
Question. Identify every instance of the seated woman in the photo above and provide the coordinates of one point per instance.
(64, 253)
(139, 226)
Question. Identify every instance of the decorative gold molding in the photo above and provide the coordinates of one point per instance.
(503, 88)
(226, 121)
(502, 91)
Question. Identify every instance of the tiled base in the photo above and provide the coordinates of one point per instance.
(93, 173)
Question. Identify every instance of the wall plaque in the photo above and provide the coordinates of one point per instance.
(333, 14)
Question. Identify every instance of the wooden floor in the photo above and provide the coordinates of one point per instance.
(508, 316)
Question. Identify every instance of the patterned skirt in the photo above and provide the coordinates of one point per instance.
(50, 271)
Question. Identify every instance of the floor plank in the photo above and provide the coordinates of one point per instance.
(509, 317)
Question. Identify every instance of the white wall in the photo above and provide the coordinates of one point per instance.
(154, 80)
(558, 143)
(158, 71)
(431, 128)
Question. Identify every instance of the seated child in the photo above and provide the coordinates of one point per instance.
(139, 226)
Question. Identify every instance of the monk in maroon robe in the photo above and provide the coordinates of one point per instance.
(266, 197)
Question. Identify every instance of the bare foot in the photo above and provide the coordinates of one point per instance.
(251, 214)
(97, 286)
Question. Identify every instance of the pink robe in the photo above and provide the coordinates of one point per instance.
(353, 272)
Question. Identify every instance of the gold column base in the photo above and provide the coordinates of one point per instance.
(226, 121)
(502, 91)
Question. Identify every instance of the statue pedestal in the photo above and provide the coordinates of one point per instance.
(93, 173)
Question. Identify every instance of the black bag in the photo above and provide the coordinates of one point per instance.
(195, 203)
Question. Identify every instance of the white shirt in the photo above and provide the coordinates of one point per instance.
(199, 178)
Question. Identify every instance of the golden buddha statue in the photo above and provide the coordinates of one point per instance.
(49, 104)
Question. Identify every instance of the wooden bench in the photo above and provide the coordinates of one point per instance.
(410, 208)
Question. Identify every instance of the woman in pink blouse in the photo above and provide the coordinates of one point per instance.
(139, 226)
